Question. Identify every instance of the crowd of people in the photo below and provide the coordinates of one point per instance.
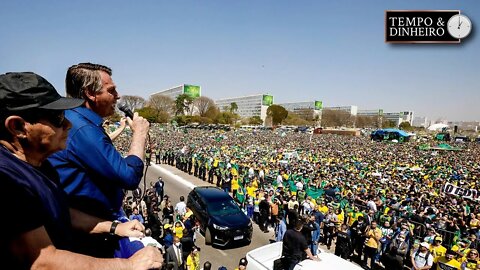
(380, 202)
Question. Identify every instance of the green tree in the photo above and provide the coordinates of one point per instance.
(278, 114)
(183, 103)
(388, 124)
(212, 113)
(405, 126)
(226, 118)
(148, 113)
(255, 120)
(233, 107)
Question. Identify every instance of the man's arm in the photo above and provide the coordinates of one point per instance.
(91, 224)
(119, 130)
(36, 250)
(310, 256)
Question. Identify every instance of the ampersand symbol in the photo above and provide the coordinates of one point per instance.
(440, 22)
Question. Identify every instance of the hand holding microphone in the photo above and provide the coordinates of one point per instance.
(137, 123)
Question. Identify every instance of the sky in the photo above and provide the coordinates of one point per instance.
(333, 51)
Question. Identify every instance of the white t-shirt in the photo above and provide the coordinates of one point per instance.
(251, 172)
(372, 206)
(181, 208)
(279, 180)
(420, 260)
(299, 185)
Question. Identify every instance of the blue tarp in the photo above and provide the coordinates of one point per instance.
(399, 131)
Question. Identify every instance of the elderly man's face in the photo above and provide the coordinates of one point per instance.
(49, 134)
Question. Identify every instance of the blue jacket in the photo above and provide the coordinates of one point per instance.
(92, 172)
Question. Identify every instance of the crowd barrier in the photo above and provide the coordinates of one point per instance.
(447, 236)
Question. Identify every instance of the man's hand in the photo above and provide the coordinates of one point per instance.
(146, 258)
(138, 124)
(314, 258)
(132, 228)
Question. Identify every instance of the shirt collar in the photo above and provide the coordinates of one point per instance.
(89, 114)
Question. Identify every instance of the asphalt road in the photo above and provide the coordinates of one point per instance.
(178, 183)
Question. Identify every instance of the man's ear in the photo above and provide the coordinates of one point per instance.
(15, 125)
(90, 95)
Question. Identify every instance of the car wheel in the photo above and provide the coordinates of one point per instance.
(208, 237)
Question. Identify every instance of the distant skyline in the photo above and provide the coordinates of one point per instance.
(333, 51)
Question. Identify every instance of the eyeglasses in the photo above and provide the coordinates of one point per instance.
(56, 118)
(473, 253)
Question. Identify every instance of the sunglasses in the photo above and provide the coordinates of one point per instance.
(55, 117)
(473, 253)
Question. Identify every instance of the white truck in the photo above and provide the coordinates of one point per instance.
(262, 258)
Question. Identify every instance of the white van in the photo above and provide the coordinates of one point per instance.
(262, 258)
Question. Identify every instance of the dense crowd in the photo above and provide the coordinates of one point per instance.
(343, 187)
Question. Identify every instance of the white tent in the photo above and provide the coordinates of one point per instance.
(437, 127)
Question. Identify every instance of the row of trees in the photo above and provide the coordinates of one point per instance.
(184, 109)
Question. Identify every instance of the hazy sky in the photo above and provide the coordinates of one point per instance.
(332, 51)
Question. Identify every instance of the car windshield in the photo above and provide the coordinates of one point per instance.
(223, 208)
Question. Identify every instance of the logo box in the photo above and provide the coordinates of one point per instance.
(418, 26)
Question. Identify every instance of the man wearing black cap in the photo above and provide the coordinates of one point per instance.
(92, 172)
(32, 127)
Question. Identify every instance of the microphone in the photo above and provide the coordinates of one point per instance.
(124, 108)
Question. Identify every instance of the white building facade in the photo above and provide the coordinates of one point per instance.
(194, 91)
(352, 109)
(420, 121)
(307, 109)
(248, 106)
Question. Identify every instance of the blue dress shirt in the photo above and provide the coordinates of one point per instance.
(92, 172)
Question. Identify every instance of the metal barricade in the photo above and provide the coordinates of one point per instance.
(419, 230)
(448, 237)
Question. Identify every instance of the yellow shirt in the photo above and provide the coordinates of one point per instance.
(437, 252)
(179, 231)
(323, 209)
(464, 251)
(251, 191)
(373, 237)
(193, 262)
(443, 263)
(235, 185)
(352, 217)
(341, 217)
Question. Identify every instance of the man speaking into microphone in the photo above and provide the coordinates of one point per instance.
(92, 172)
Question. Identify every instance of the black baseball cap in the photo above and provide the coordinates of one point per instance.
(21, 91)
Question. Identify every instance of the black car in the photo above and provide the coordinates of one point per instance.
(221, 219)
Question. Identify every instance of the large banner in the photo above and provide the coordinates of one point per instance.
(267, 100)
(192, 90)
(451, 189)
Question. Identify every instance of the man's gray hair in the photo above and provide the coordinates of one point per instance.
(84, 77)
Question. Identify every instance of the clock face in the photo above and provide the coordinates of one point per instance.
(459, 26)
